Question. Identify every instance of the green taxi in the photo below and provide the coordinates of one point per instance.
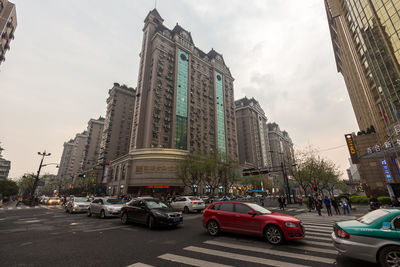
(374, 237)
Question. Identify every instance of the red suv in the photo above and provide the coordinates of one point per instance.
(250, 218)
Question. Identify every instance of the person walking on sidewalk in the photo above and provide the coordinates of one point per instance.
(19, 200)
(281, 201)
(327, 203)
(318, 204)
(345, 206)
(335, 205)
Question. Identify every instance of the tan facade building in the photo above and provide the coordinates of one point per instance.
(92, 148)
(184, 103)
(63, 169)
(118, 123)
(366, 42)
(252, 134)
(78, 153)
(8, 23)
(5, 166)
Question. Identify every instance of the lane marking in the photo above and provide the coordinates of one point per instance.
(104, 229)
(241, 257)
(272, 252)
(318, 238)
(318, 224)
(314, 249)
(318, 234)
(190, 261)
(317, 243)
(31, 221)
(139, 264)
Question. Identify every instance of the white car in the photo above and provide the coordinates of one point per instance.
(188, 204)
(105, 207)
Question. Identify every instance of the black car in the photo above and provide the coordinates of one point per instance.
(152, 212)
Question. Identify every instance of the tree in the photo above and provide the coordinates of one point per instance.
(25, 185)
(8, 187)
(190, 171)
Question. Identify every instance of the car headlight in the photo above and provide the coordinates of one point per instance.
(75, 205)
(160, 214)
(290, 224)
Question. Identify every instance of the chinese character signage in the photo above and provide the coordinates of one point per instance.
(352, 148)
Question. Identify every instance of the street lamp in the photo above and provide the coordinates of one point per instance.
(43, 154)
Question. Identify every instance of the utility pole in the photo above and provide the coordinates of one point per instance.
(44, 154)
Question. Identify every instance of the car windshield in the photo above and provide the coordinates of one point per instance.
(154, 204)
(194, 198)
(113, 201)
(81, 199)
(372, 216)
(258, 208)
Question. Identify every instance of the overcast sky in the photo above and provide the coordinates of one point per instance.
(67, 54)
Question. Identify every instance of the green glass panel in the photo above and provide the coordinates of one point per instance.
(221, 141)
(181, 101)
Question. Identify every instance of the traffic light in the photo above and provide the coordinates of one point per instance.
(82, 175)
(246, 174)
(264, 171)
(315, 187)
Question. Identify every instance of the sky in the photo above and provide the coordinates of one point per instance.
(66, 55)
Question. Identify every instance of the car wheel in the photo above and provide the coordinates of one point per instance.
(124, 218)
(151, 223)
(213, 228)
(102, 214)
(89, 213)
(186, 209)
(274, 235)
(389, 256)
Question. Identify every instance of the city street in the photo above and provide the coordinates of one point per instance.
(48, 236)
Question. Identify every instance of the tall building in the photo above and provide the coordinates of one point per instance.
(184, 103)
(63, 169)
(366, 43)
(78, 152)
(92, 148)
(252, 134)
(281, 152)
(8, 23)
(118, 123)
(5, 166)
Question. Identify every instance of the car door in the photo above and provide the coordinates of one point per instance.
(396, 226)
(131, 209)
(94, 207)
(226, 216)
(141, 212)
(244, 222)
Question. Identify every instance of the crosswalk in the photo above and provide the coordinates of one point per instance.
(23, 207)
(316, 249)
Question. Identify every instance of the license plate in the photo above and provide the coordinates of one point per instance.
(177, 219)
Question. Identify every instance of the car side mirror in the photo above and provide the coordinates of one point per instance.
(252, 213)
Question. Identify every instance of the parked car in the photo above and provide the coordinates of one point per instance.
(105, 207)
(374, 237)
(53, 201)
(77, 204)
(188, 204)
(252, 219)
(151, 212)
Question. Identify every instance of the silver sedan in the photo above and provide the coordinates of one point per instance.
(105, 207)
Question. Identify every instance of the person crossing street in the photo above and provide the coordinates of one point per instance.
(327, 203)
(335, 205)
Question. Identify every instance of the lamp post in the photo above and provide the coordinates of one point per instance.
(43, 154)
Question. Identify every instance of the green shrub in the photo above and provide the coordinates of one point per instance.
(359, 199)
(384, 200)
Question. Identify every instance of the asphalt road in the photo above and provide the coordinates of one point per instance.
(47, 236)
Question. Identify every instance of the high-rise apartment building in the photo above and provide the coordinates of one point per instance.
(281, 149)
(63, 168)
(5, 166)
(8, 23)
(118, 123)
(252, 134)
(184, 96)
(78, 152)
(184, 103)
(92, 148)
(366, 42)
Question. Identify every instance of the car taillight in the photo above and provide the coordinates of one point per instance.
(193, 203)
(342, 234)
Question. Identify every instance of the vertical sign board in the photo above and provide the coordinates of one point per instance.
(352, 148)
(106, 169)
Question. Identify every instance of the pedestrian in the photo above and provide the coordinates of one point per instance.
(309, 202)
(345, 206)
(318, 204)
(335, 205)
(327, 203)
(281, 201)
(19, 200)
